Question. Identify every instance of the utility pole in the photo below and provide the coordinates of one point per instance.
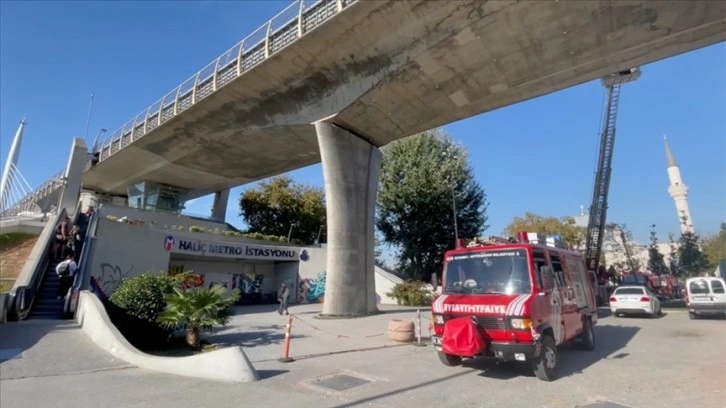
(453, 206)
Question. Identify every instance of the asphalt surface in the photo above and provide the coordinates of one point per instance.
(639, 362)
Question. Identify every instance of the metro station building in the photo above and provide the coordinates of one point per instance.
(130, 241)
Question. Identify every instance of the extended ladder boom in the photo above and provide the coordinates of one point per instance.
(598, 209)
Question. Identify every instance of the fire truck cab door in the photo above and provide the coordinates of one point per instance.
(556, 320)
(579, 283)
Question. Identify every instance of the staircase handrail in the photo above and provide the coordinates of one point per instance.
(71, 304)
(22, 297)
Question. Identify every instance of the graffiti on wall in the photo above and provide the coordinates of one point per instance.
(311, 290)
(194, 281)
(108, 279)
(223, 284)
(247, 284)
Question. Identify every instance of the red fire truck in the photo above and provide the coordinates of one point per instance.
(665, 286)
(514, 300)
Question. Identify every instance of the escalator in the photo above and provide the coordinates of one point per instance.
(47, 305)
(37, 296)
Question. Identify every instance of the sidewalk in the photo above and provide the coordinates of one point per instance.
(37, 348)
(261, 331)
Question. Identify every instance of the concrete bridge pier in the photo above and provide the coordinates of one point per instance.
(71, 192)
(219, 207)
(350, 168)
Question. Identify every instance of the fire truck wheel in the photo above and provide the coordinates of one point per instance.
(449, 360)
(545, 366)
(587, 337)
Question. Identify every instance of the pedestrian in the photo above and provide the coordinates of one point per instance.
(283, 295)
(66, 271)
(61, 240)
(75, 242)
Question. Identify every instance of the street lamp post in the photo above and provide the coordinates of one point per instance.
(320, 231)
(452, 184)
(289, 234)
(453, 206)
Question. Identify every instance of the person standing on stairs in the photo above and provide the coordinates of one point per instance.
(66, 270)
(61, 239)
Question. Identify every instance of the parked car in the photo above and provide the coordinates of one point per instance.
(634, 299)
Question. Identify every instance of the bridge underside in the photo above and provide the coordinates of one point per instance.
(389, 69)
(383, 70)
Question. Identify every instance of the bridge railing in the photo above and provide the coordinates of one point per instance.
(28, 203)
(287, 26)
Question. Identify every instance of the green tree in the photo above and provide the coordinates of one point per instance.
(565, 226)
(690, 258)
(280, 206)
(623, 237)
(422, 178)
(656, 260)
(197, 309)
(714, 247)
(378, 252)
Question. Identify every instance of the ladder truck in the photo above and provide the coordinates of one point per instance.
(598, 209)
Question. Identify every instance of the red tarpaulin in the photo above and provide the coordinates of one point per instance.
(462, 338)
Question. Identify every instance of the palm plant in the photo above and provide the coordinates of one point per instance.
(196, 310)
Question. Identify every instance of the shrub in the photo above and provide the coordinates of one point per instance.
(196, 228)
(411, 293)
(136, 304)
(198, 309)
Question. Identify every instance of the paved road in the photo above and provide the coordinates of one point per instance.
(671, 361)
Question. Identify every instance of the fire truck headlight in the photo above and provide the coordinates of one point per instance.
(438, 319)
(521, 324)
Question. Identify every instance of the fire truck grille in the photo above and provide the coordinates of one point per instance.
(486, 322)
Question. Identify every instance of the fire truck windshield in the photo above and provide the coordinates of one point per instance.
(488, 272)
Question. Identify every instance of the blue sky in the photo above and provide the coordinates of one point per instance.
(536, 156)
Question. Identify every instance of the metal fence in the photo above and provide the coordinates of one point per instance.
(282, 30)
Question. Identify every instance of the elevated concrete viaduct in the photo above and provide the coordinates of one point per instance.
(372, 73)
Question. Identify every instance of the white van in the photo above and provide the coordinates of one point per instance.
(705, 295)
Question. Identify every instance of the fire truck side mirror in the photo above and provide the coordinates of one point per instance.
(547, 277)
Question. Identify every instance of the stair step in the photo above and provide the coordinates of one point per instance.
(47, 308)
(47, 316)
(53, 301)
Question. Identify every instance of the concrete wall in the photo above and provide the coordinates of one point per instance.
(385, 281)
(122, 251)
(32, 227)
(89, 199)
(227, 364)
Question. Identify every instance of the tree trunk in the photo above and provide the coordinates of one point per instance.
(192, 337)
